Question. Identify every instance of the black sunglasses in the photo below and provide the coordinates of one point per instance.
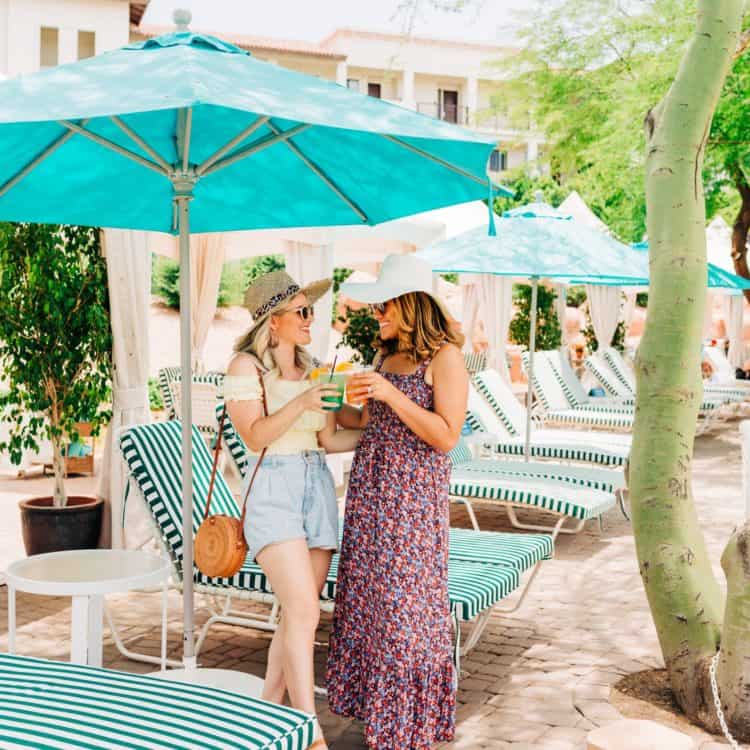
(306, 312)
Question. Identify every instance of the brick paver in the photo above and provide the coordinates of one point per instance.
(538, 680)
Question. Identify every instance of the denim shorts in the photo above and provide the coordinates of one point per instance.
(293, 497)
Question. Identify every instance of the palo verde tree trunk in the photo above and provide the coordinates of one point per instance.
(685, 599)
(740, 231)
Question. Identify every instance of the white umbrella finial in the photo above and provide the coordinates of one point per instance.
(538, 196)
(182, 18)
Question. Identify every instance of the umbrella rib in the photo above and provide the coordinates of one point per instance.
(259, 145)
(313, 167)
(112, 146)
(187, 133)
(142, 143)
(201, 168)
(41, 156)
(442, 162)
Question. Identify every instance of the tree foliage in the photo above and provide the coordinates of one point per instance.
(548, 334)
(589, 70)
(360, 335)
(55, 339)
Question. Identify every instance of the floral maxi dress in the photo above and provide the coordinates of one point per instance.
(389, 661)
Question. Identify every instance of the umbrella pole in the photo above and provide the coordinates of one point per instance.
(186, 397)
(530, 374)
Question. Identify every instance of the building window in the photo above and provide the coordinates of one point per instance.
(373, 89)
(498, 161)
(352, 83)
(48, 47)
(86, 44)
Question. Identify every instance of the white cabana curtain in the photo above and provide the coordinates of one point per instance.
(305, 264)
(561, 309)
(604, 309)
(469, 308)
(496, 308)
(628, 309)
(129, 273)
(207, 251)
(708, 316)
(733, 308)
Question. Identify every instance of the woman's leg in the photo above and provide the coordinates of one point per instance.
(290, 572)
(274, 687)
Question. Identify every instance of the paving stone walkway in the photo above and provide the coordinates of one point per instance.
(539, 679)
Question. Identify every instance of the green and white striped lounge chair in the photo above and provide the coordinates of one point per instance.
(621, 377)
(480, 574)
(475, 361)
(571, 492)
(54, 705)
(724, 371)
(558, 405)
(494, 409)
(205, 389)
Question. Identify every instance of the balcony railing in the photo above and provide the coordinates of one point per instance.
(457, 114)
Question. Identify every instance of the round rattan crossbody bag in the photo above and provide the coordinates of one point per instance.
(220, 546)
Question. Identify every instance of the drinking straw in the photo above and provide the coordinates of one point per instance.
(333, 367)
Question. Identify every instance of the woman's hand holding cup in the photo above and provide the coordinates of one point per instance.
(322, 398)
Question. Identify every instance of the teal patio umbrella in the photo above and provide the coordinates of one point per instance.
(538, 241)
(188, 133)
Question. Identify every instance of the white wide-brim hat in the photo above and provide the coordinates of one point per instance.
(399, 274)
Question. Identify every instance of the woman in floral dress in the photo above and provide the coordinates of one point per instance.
(390, 663)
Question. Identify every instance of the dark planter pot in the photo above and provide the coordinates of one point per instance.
(49, 529)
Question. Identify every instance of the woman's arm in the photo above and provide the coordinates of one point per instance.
(349, 417)
(333, 440)
(440, 428)
(259, 431)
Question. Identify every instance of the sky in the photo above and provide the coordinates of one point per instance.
(312, 20)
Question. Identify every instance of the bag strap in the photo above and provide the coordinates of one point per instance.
(217, 451)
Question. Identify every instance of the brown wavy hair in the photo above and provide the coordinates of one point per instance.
(423, 328)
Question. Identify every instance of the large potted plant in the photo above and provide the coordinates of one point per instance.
(55, 346)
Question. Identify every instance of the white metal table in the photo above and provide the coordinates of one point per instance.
(86, 576)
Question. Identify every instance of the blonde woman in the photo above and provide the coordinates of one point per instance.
(389, 661)
(291, 523)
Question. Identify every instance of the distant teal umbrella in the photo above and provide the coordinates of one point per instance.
(538, 241)
(188, 133)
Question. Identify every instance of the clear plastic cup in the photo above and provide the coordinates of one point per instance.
(356, 400)
(338, 379)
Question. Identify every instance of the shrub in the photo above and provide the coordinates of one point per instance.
(548, 334)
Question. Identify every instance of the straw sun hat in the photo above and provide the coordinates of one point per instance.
(270, 292)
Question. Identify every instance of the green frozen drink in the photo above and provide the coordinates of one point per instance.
(339, 380)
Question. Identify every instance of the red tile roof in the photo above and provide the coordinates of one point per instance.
(256, 42)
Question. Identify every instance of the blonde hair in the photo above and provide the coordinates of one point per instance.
(257, 343)
(423, 328)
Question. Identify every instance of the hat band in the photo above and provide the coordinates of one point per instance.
(269, 304)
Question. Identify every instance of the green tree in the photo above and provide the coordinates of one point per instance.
(361, 335)
(548, 334)
(588, 71)
(688, 607)
(55, 339)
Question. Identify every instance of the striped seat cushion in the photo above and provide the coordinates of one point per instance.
(166, 376)
(233, 443)
(593, 477)
(153, 452)
(46, 704)
(591, 418)
(570, 446)
(473, 586)
(475, 361)
(564, 498)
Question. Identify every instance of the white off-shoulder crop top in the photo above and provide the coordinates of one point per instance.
(301, 436)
